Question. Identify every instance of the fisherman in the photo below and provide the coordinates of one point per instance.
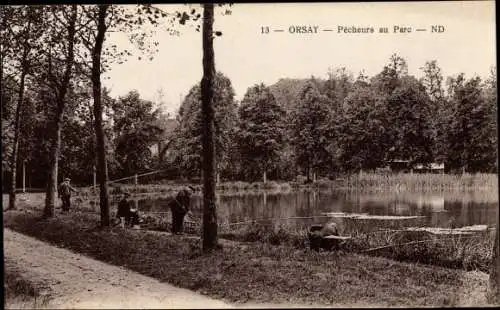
(128, 216)
(317, 234)
(64, 192)
(180, 207)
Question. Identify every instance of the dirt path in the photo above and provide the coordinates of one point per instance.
(76, 281)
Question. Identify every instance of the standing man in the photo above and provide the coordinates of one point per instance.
(64, 191)
(180, 207)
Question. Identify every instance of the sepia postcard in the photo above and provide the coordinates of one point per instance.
(250, 155)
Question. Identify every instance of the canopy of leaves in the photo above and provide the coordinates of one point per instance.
(187, 138)
(135, 128)
(409, 115)
(260, 132)
(364, 130)
(311, 128)
(472, 127)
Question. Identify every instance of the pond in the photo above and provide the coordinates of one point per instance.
(301, 208)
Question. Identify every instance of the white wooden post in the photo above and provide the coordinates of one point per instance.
(264, 177)
(24, 176)
(94, 170)
(135, 182)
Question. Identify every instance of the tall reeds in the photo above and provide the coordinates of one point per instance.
(418, 182)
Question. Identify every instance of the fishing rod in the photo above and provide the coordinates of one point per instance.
(413, 242)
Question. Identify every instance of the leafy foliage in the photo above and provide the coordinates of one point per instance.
(187, 138)
(260, 132)
(135, 130)
(472, 127)
(409, 115)
(311, 130)
(364, 130)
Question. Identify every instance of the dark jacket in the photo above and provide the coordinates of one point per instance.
(180, 203)
(65, 189)
(123, 208)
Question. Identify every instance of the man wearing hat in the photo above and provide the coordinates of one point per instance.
(180, 207)
(64, 191)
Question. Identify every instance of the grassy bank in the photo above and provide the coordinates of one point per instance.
(19, 292)
(242, 272)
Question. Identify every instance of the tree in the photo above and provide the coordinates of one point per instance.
(471, 129)
(490, 94)
(209, 160)
(440, 109)
(188, 134)
(338, 85)
(20, 34)
(260, 133)
(311, 130)
(364, 129)
(96, 89)
(69, 24)
(409, 115)
(136, 129)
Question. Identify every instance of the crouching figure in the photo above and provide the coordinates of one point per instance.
(319, 237)
(128, 215)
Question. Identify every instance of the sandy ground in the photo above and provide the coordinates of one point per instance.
(76, 281)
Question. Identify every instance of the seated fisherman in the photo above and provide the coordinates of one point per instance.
(317, 235)
(125, 211)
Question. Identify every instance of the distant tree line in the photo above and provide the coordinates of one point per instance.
(344, 124)
(326, 127)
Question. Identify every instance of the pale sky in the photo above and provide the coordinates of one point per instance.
(248, 57)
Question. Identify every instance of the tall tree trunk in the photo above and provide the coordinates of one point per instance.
(50, 194)
(13, 159)
(494, 289)
(57, 121)
(99, 131)
(209, 161)
(17, 122)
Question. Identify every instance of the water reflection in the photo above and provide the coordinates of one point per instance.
(447, 210)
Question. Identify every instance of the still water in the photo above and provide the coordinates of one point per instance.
(299, 209)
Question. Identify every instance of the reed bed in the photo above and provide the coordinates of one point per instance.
(245, 186)
(468, 252)
(419, 182)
